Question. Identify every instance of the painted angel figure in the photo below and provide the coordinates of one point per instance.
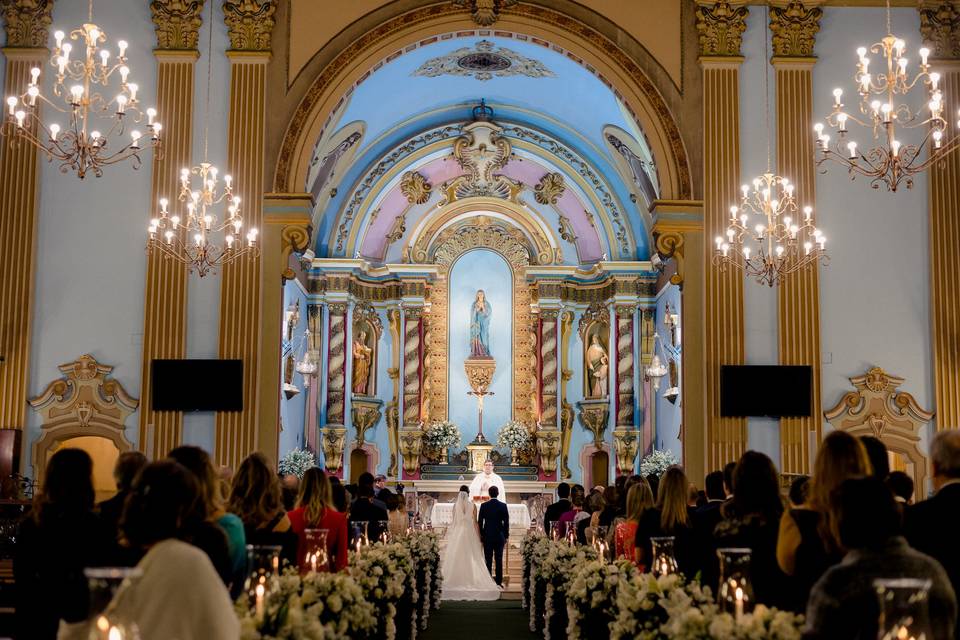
(480, 326)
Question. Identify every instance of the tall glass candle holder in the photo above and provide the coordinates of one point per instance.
(383, 531)
(263, 572)
(104, 584)
(316, 557)
(904, 613)
(735, 594)
(663, 562)
(358, 534)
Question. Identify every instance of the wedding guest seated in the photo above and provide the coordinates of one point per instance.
(341, 500)
(256, 498)
(125, 470)
(60, 536)
(932, 525)
(639, 501)
(705, 519)
(315, 510)
(289, 489)
(609, 512)
(366, 479)
(179, 594)
(751, 520)
(844, 602)
(219, 534)
(728, 470)
(901, 485)
(808, 543)
(379, 484)
(654, 481)
(363, 510)
(558, 508)
(396, 514)
(693, 496)
(591, 511)
(671, 517)
(878, 456)
(576, 507)
(799, 491)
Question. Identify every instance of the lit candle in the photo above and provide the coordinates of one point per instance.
(259, 605)
(738, 606)
(313, 556)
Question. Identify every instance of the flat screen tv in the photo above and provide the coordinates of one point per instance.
(775, 391)
(197, 385)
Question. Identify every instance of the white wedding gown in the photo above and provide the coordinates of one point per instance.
(465, 575)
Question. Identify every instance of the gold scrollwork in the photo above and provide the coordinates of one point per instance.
(794, 29)
(177, 23)
(720, 27)
(249, 23)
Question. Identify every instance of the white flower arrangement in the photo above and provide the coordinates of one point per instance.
(657, 462)
(296, 462)
(513, 435)
(441, 434)
(707, 623)
(424, 548)
(385, 574)
(535, 550)
(557, 571)
(592, 601)
(647, 605)
(318, 606)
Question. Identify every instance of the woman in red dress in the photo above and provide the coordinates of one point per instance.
(639, 500)
(315, 511)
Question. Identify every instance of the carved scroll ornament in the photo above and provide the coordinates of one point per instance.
(794, 29)
(177, 23)
(27, 22)
(485, 12)
(249, 23)
(720, 27)
(940, 28)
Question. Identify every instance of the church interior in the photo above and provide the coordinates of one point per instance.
(575, 238)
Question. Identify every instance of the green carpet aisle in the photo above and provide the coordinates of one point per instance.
(500, 620)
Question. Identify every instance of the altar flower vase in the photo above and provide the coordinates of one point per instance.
(664, 562)
(904, 611)
(103, 584)
(735, 594)
(444, 455)
(514, 458)
(316, 557)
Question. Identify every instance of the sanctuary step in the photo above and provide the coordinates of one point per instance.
(462, 472)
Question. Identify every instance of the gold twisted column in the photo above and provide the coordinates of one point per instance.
(165, 291)
(548, 368)
(625, 412)
(411, 433)
(336, 363)
(720, 26)
(794, 28)
(940, 26)
(26, 25)
(249, 25)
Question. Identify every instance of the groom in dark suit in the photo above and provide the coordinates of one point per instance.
(494, 531)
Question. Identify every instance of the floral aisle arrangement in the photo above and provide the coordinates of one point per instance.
(441, 435)
(535, 550)
(592, 601)
(424, 548)
(296, 462)
(647, 605)
(317, 606)
(557, 571)
(657, 462)
(386, 575)
(708, 623)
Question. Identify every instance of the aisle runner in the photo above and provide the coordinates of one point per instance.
(501, 620)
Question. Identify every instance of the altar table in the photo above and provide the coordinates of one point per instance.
(442, 515)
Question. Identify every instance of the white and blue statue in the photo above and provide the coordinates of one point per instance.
(480, 326)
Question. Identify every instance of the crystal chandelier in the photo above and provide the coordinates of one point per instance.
(891, 161)
(194, 239)
(81, 147)
(781, 242)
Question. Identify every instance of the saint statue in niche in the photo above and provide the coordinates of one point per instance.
(480, 326)
(598, 367)
(362, 356)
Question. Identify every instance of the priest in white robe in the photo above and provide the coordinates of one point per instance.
(480, 487)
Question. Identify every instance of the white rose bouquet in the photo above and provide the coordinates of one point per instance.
(657, 462)
(296, 462)
(647, 605)
(707, 623)
(386, 576)
(513, 435)
(441, 434)
(558, 570)
(592, 603)
(424, 548)
(535, 553)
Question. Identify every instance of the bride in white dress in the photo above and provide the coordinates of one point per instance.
(465, 575)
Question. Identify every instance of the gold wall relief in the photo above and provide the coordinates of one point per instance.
(625, 371)
(367, 329)
(794, 29)
(417, 190)
(877, 408)
(177, 24)
(484, 12)
(26, 22)
(249, 23)
(336, 363)
(720, 27)
(940, 28)
(548, 368)
(393, 407)
(566, 409)
(412, 354)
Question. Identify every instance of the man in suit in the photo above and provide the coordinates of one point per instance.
(364, 509)
(705, 520)
(494, 531)
(931, 526)
(558, 508)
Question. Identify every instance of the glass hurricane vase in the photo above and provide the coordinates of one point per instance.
(735, 592)
(904, 613)
(104, 584)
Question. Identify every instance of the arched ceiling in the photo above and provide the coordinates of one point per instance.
(553, 109)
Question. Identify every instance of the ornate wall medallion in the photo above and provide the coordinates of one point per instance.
(483, 61)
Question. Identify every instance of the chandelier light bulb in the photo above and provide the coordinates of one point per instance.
(924, 54)
(77, 92)
(12, 103)
(20, 115)
(169, 236)
(937, 135)
(104, 57)
(852, 146)
(34, 75)
(54, 130)
(58, 36)
(837, 94)
(122, 46)
(66, 49)
(862, 52)
(133, 88)
(895, 147)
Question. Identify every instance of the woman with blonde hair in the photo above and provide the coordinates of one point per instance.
(671, 517)
(809, 542)
(315, 510)
(639, 501)
(256, 498)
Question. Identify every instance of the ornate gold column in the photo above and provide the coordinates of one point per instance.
(549, 437)
(678, 229)
(334, 429)
(793, 29)
(940, 26)
(249, 25)
(285, 231)
(165, 291)
(26, 23)
(626, 434)
(720, 26)
(411, 431)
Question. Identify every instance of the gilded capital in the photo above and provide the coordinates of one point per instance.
(940, 28)
(177, 23)
(794, 29)
(720, 27)
(249, 23)
(27, 22)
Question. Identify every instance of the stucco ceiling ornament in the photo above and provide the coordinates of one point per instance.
(940, 28)
(177, 23)
(550, 188)
(481, 232)
(483, 61)
(415, 187)
(720, 27)
(249, 23)
(26, 22)
(485, 12)
(794, 28)
(481, 150)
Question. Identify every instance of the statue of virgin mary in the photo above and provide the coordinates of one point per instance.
(480, 326)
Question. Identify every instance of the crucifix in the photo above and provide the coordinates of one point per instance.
(480, 394)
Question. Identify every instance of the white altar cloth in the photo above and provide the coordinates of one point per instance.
(442, 515)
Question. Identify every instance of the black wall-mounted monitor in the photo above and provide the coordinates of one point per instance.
(197, 385)
(775, 391)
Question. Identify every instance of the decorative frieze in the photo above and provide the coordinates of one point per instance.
(249, 23)
(27, 22)
(332, 441)
(720, 27)
(177, 23)
(794, 29)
